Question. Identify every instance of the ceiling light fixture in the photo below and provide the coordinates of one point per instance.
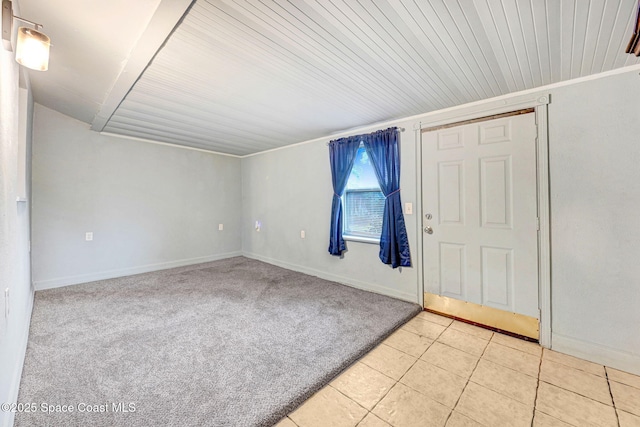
(32, 46)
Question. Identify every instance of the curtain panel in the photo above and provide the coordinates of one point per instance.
(342, 155)
(384, 151)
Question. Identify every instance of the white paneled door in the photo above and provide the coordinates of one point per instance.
(480, 213)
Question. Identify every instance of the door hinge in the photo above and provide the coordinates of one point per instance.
(538, 224)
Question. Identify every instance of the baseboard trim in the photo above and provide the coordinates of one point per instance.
(112, 274)
(596, 353)
(7, 418)
(335, 278)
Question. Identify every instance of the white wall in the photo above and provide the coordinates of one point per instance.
(14, 230)
(594, 154)
(595, 203)
(149, 206)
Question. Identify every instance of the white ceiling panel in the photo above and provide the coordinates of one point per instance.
(241, 77)
(245, 76)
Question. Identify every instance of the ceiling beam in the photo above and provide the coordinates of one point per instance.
(168, 15)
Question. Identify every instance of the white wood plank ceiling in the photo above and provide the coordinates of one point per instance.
(241, 77)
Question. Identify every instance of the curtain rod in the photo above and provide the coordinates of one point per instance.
(399, 129)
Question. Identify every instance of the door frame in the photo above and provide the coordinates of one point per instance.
(539, 102)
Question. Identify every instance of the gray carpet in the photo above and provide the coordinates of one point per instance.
(235, 342)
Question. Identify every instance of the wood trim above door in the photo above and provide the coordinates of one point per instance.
(480, 119)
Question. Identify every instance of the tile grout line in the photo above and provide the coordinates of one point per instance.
(575, 392)
(575, 368)
(412, 365)
(463, 351)
(579, 393)
(509, 368)
(402, 351)
(369, 411)
(469, 380)
(418, 358)
(501, 365)
(569, 365)
(398, 380)
(352, 400)
(535, 400)
(339, 391)
(613, 401)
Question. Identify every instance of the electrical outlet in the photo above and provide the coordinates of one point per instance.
(220, 227)
(302, 234)
(88, 236)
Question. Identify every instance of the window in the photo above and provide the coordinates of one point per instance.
(363, 202)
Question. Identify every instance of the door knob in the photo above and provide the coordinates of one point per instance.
(428, 229)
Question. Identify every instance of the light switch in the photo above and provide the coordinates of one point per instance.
(302, 234)
(258, 225)
(220, 227)
(408, 208)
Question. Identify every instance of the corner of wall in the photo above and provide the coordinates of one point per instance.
(58, 282)
(334, 278)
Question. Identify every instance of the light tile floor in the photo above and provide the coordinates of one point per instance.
(435, 372)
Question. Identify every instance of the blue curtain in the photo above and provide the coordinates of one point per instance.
(384, 152)
(342, 154)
